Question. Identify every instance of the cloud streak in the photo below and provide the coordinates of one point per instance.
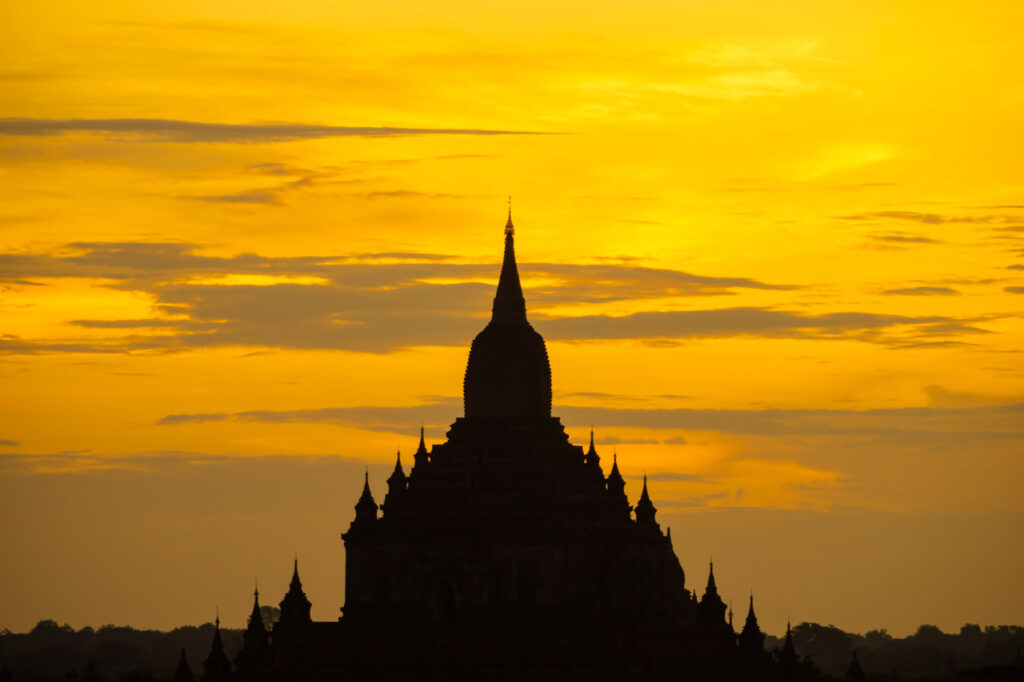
(893, 426)
(901, 238)
(380, 302)
(764, 322)
(922, 291)
(932, 218)
(170, 130)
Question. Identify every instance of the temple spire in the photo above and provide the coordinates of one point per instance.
(508, 375)
(509, 304)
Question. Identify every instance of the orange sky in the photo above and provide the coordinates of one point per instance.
(776, 250)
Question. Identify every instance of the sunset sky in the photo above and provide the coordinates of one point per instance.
(776, 250)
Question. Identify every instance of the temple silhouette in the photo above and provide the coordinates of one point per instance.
(506, 553)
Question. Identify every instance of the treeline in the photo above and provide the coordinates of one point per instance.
(993, 652)
(59, 653)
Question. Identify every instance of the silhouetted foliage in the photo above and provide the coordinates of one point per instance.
(57, 653)
(271, 614)
(52, 652)
(928, 654)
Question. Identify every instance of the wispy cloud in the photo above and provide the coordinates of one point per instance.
(914, 424)
(765, 322)
(930, 218)
(380, 302)
(901, 238)
(673, 477)
(922, 291)
(401, 420)
(169, 130)
(253, 196)
(407, 194)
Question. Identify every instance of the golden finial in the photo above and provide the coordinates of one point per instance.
(509, 229)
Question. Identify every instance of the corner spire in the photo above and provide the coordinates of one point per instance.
(255, 640)
(788, 650)
(854, 672)
(183, 673)
(397, 484)
(295, 606)
(420, 457)
(645, 510)
(614, 477)
(256, 627)
(751, 638)
(366, 507)
(398, 466)
(711, 610)
(216, 667)
(616, 487)
(590, 458)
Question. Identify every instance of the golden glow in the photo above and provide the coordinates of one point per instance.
(784, 221)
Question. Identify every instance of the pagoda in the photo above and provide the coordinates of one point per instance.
(505, 553)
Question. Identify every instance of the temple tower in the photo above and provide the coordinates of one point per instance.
(508, 376)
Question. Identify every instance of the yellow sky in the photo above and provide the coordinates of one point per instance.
(776, 249)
